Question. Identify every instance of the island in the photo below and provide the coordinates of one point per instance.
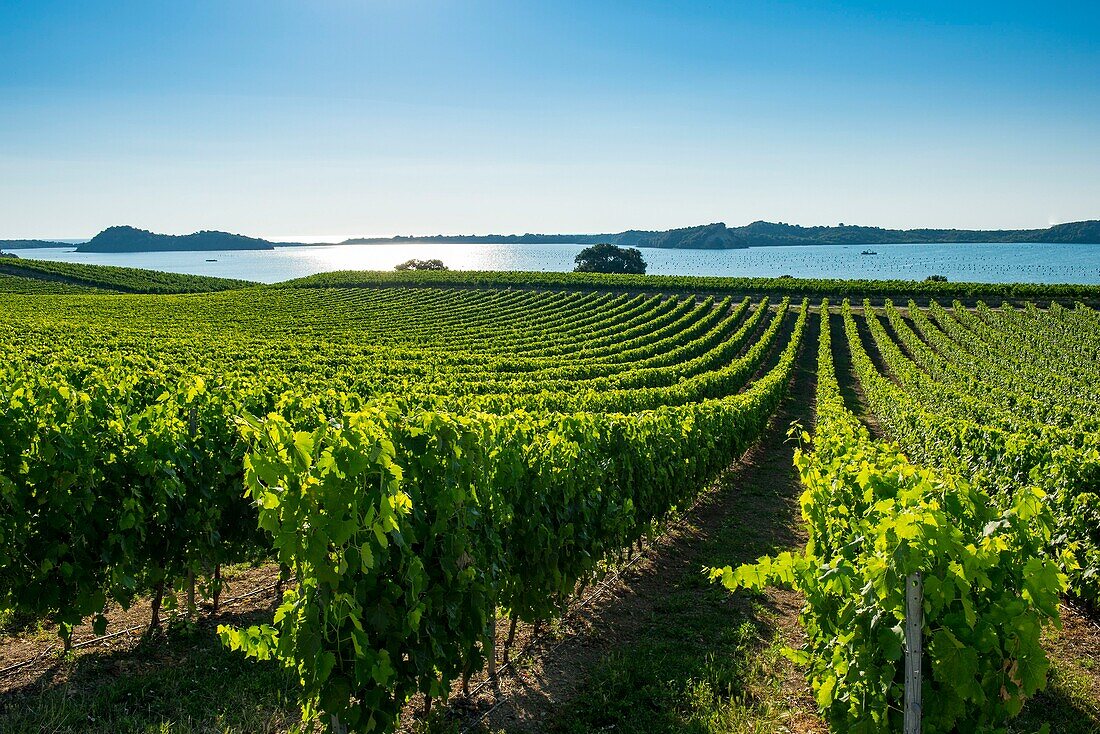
(132, 239)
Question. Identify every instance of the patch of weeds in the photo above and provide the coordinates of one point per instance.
(694, 673)
(1067, 705)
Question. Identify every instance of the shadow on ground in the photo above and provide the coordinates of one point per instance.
(182, 681)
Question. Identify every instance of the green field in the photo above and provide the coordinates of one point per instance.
(436, 460)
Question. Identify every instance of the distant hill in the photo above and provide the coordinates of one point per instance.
(761, 234)
(707, 236)
(131, 239)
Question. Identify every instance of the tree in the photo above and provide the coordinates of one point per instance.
(936, 279)
(608, 258)
(414, 264)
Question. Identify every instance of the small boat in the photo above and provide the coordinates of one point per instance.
(868, 252)
(211, 260)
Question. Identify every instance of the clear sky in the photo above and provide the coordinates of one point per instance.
(378, 117)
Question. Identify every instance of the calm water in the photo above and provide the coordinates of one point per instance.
(983, 263)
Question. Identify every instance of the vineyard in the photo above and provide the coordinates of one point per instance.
(429, 469)
(44, 276)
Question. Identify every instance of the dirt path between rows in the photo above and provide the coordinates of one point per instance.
(752, 510)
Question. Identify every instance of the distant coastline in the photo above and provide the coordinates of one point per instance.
(768, 234)
(33, 244)
(715, 236)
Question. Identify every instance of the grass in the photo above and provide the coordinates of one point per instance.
(1069, 704)
(683, 683)
(705, 662)
(182, 683)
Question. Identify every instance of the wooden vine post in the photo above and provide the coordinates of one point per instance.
(511, 637)
(492, 651)
(914, 611)
(158, 598)
(193, 430)
(190, 594)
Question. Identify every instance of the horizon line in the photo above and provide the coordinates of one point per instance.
(340, 239)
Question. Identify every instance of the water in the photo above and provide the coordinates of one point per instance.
(988, 263)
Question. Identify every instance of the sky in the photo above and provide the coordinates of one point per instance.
(337, 118)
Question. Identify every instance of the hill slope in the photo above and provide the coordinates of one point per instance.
(34, 286)
(110, 278)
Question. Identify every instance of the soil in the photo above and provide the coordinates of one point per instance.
(35, 658)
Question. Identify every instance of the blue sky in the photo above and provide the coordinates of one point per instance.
(349, 117)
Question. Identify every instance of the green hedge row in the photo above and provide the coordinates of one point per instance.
(793, 287)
